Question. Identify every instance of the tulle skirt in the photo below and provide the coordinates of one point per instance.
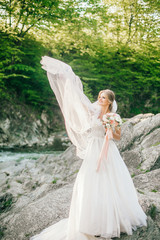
(103, 203)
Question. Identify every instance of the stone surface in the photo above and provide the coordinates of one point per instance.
(134, 134)
(42, 189)
(20, 127)
(150, 157)
(47, 210)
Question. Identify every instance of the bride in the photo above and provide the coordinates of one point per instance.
(104, 201)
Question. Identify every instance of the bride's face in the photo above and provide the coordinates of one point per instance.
(103, 100)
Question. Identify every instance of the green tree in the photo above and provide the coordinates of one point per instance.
(108, 44)
(22, 15)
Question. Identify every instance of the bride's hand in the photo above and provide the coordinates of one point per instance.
(117, 133)
(114, 134)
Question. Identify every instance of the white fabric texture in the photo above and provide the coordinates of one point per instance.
(114, 106)
(105, 202)
(75, 106)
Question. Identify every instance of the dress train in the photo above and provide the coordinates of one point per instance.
(103, 203)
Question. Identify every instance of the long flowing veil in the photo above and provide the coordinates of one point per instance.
(75, 106)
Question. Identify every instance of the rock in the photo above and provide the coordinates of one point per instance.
(37, 215)
(153, 139)
(134, 134)
(44, 117)
(132, 159)
(140, 142)
(148, 187)
(150, 157)
(140, 118)
(21, 127)
(148, 181)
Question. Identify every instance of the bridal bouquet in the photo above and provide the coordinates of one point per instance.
(111, 120)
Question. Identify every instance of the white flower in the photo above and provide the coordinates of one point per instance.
(111, 118)
(104, 118)
(108, 125)
(119, 120)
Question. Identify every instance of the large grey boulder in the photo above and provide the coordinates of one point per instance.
(140, 142)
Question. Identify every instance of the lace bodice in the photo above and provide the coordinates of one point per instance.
(97, 128)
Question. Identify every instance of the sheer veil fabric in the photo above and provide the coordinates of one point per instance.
(75, 106)
(105, 202)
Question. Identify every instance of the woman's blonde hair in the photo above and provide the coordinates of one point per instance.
(111, 97)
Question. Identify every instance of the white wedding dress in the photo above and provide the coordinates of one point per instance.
(105, 202)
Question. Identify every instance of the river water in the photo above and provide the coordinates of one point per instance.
(24, 155)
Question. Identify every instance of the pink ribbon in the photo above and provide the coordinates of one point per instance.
(104, 150)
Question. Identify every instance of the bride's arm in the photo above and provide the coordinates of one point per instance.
(117, 133)
(77, 109)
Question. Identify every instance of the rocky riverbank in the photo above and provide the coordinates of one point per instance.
(23, 127)
(36, 194)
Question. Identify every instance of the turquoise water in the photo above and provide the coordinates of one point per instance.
(20, 156)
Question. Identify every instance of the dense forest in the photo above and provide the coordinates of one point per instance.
(109, 44)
